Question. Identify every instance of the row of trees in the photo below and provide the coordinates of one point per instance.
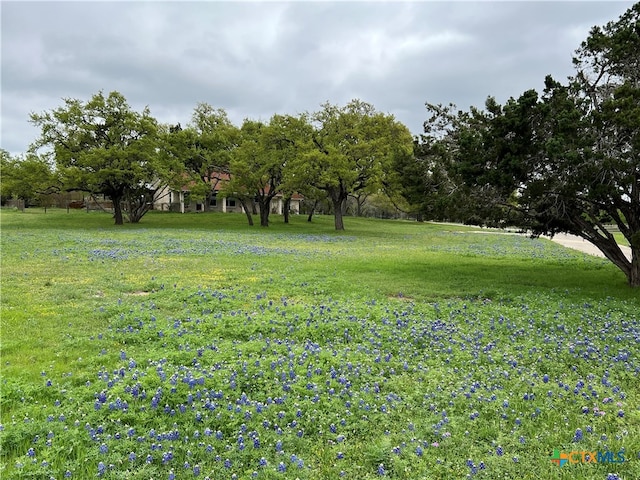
(102, 146)
(563, 161)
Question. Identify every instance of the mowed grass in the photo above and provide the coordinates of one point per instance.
(196, 346)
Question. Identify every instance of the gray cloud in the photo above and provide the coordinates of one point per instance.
(255, 59)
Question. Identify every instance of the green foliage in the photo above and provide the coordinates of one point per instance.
(566, 161)
(26, 178)
(102, 146)
(202, 151)
(353, 149)
(260, 167)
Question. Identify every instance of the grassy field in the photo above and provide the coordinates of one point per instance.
(194, 346)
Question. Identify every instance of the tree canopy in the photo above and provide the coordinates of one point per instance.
(202, 151)
(26, 178)
(564, 161)
(102, 146)
(353, 149)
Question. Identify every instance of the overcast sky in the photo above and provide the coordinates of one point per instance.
(255, 59)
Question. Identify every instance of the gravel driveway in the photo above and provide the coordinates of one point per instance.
(579, 243)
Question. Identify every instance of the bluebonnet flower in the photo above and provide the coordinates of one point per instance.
(381, 471)
(577, 437)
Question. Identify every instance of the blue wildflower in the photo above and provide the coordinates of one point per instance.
(577, 437)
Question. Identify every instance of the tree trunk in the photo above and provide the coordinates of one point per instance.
(612, 251)
(285, 209)
(247, 211)
(360, 201)
(313, 209)
(137, 208)
(634, 272)
(337, 212)
(117, 209)
(264, 212)
(207, 202)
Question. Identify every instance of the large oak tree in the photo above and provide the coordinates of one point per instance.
(353, 149)
(102, 146)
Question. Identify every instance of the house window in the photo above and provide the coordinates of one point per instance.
(231, 202)
(170, 197)
(213, 202)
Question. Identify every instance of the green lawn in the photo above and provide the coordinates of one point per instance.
(197, 346)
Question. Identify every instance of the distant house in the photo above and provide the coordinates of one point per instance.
(180, 200)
